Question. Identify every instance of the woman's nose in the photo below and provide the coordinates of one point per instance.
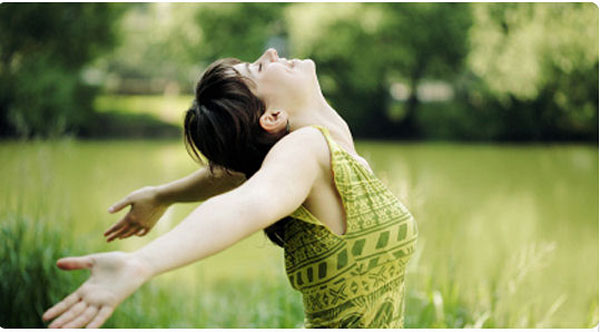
(271, 54)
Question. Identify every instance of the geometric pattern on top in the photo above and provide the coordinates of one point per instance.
(356, 279)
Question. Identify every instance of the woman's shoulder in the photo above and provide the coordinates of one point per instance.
(309, 134)
(306, 142)
(321, 143)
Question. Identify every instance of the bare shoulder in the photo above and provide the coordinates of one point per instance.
(307, 143)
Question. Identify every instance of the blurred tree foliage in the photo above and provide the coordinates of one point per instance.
(158, 42)
(43, 48)
(516, 71)
(368, 46)
(539, 65)
(240, 30)
(166, 46)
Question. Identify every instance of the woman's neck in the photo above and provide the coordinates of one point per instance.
(322, 114)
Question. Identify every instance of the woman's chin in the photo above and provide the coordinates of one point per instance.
(304, 63)
(310, 65)
(310, 62)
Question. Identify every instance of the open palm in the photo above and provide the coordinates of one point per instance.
(114, 276)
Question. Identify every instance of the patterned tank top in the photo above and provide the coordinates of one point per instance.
(355, 279)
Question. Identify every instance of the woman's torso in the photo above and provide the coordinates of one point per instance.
(355, 279)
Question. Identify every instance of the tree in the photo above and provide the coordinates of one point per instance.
(367, 46)
(540, 62)
(241, 30)
(43, 48)
(158, 41)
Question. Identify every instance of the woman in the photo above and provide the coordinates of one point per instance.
(346, 238)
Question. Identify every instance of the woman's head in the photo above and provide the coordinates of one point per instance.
(223, 122)
(283, 85)
(242, 109)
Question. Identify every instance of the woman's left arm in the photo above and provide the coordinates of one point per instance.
(275, 191)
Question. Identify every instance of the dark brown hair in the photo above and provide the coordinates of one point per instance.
(223, 126)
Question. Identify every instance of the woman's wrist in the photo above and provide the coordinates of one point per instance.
(142, 264)
(162, 195)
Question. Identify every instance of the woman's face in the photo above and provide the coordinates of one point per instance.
(281, 83)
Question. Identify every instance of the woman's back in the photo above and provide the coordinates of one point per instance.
(355, 279)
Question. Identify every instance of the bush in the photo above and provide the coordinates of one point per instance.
(43, 49)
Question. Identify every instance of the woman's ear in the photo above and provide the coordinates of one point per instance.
(274, 121)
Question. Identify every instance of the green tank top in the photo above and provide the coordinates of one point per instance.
(355, 279)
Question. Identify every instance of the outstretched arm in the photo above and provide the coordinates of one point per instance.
(148, 204)
(199, 186)
(276, 190)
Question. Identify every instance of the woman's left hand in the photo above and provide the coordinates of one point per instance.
(146, 210)
(115, 276)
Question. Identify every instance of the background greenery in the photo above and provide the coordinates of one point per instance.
(501, 72)
(508, 223)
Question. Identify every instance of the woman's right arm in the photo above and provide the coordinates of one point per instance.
(275, 191)
(149, 203)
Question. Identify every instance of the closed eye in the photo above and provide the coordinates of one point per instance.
(259, 67)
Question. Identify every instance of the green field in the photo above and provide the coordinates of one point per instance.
(508, 235)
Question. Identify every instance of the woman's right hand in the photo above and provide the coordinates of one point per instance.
(115, 275)
(146, 210)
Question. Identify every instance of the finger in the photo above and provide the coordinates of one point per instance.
(75, 310)
(100, 318)
(111, 236)
(61, 306)
(120, 232)
(124, 228)
(119, 205)
(116, 226)
(143, 232)
(83, 318)
(132, 231)
(75, 263)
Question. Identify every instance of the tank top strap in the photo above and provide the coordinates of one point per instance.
(345, 172)
(333, 146)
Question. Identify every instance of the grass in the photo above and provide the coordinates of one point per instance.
(447, 303)
(31, 248)
(500, 245)
(30, 282)
(225, 304)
